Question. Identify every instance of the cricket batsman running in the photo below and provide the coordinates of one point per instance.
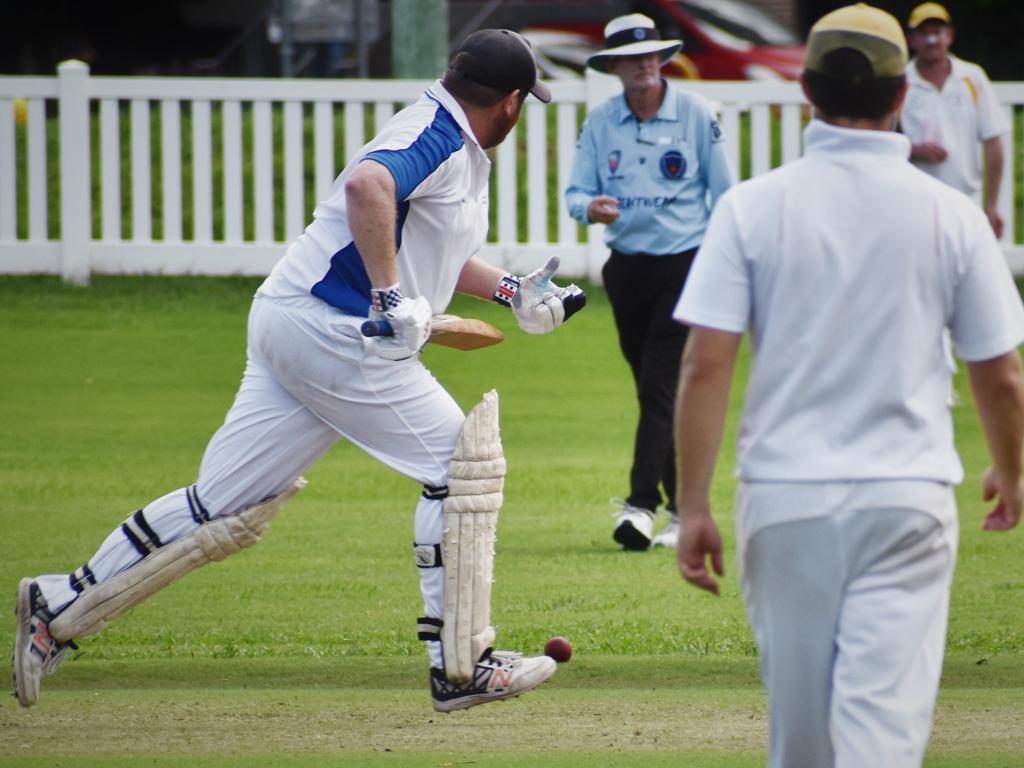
(394, 240)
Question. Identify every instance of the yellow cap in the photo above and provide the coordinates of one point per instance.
(926, 11)
(864, 28)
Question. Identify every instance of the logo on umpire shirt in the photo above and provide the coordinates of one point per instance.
(614, 157)
(673, 165)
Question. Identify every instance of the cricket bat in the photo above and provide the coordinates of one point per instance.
(448, 331)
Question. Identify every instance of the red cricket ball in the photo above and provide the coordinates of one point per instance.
(559, 649)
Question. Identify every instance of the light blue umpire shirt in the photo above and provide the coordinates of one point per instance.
(667, 172)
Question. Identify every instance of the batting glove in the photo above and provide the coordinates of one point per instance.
(539, 305)
(409, 319)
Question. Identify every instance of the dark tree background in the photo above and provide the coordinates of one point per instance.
(132, 37)
(127, 37)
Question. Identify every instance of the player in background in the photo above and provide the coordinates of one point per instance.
(396, 237)
(950, 110)
(846, 521)
(650, 163)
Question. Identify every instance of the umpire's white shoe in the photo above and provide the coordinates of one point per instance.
(669, 535)
(36, 651)
(633, 527)
(498, 675)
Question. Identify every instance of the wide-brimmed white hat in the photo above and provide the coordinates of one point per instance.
(632, 35)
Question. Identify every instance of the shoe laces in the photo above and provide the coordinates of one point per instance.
(502, 657)
(621, 506)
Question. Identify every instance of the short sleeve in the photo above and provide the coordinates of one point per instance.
(988, 318)
(992, 120)
(717, 291)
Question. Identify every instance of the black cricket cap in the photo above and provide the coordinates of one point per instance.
(500, 59)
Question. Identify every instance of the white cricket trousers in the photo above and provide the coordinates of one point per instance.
(849, 611)
(310, 380)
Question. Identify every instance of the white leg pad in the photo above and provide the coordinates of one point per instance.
(213, 541)
(476, 477)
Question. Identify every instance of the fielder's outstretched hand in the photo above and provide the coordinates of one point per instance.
(699, 540)
(541, 306)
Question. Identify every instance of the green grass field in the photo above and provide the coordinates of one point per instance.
(302, 651)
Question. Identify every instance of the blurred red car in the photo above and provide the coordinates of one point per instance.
(722, 39)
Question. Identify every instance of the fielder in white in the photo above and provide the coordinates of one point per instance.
(394, 240)
(951, 114)
(846, 266)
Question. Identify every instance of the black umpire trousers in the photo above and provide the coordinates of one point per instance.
(643, 291)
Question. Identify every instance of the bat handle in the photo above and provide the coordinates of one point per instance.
(377, 328)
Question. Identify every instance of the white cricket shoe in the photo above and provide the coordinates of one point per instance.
(633, 527)
(498, 675)
(36, 651)
(669, 535)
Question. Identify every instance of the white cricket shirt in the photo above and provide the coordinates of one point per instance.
(964, 113)
(441, 175)
(846, 265)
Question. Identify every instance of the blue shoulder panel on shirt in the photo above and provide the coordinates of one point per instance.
(410, 166)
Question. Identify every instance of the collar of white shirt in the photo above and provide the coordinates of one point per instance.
(958, 70)
(821, 138)
(437, 91)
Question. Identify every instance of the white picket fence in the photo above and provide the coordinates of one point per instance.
(282, 127)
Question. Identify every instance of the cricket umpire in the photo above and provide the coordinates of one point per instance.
(846, 520)
(650, 163)
(396, 237)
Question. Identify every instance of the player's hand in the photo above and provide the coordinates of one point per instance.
(540, 306)
(699, 540)
(603, 209)
(996, 220)
(410, 322)
(929, 152)
(1010, 498)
